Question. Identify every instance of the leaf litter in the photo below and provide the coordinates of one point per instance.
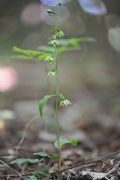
(97, 156)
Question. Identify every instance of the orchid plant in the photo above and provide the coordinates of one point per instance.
(51, 54)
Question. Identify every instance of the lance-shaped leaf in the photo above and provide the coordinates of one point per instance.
(62, 141)
(61, 97)
(43, 56)
(43, 102)
(25, 51)
(52, 50)
(42, 155)
(42, 172)
(74, 42)
(24, 161)
(23, 57)
(46, 49)
(30, 54)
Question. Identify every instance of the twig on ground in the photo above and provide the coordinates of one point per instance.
(17, 173)
(116, 166)
(92, 162)
(101, 175)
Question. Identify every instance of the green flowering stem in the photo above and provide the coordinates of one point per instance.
(57, 112)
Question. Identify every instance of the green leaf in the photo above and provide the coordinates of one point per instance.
(23, 57)
(25, 52)
(56, 158)
(42, 155)
(52, 49)
(42, 172)
(30, 178)
(61, 49)
(73, 142)
(30, 54)
(2, 167)
(72, 42)
(50, 59)
(61, 97)
(43, 102)
(47, 49)
(75, 42)
(63, 141)
(43, 56)
(24, 161)
(59, 143)
(65, 49)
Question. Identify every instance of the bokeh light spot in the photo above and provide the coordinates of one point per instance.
(8, 79)
(114, 38)
(53, 2)
(31, 14)
(94, 7)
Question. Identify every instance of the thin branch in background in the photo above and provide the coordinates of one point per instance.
(25, 131)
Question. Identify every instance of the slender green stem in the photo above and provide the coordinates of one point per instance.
(57, 108)
(57, 113)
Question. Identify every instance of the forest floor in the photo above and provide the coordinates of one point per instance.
(96, 157)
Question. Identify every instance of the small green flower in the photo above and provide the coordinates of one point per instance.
(49, 59)
(59, 34)
(54, 43)
(52, 74)
(65, 103)
(54, 37)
